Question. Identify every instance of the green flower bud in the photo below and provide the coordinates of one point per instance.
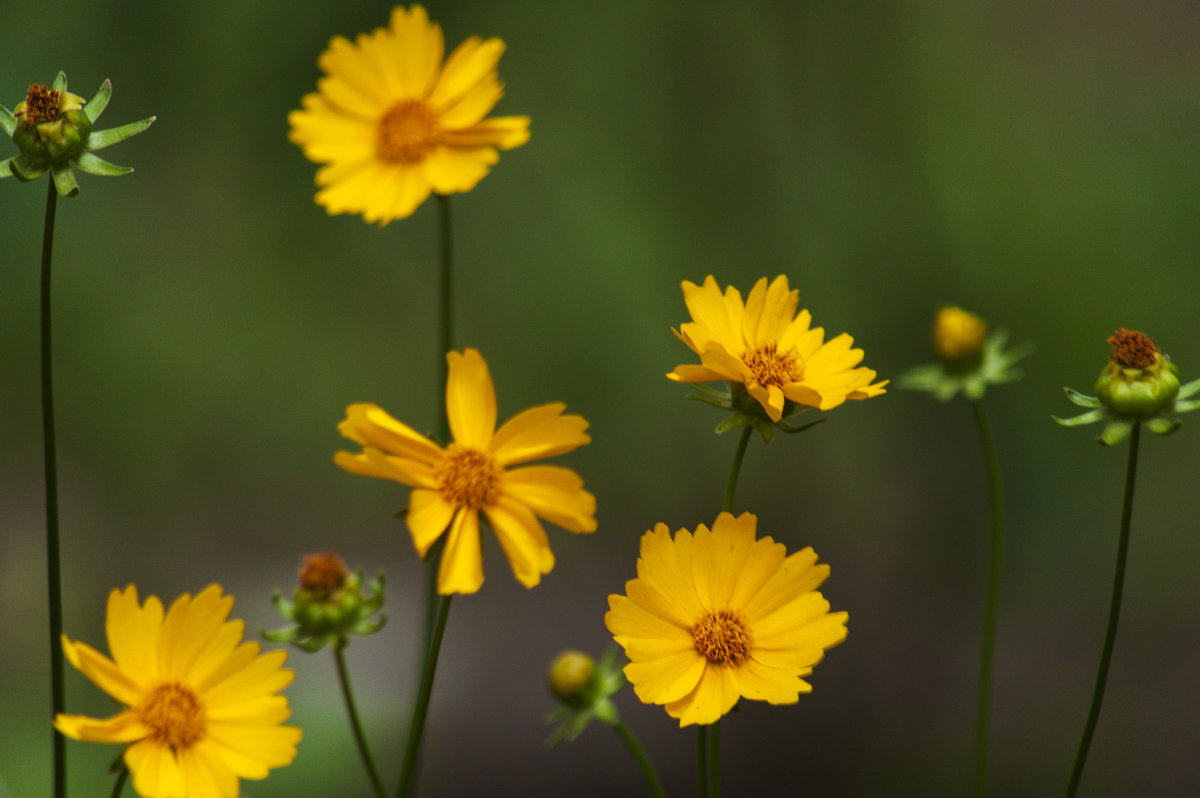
(329, 605)
(584, 687)
(1139, 381)
(570, 673)
(51, 125)
(957, 335)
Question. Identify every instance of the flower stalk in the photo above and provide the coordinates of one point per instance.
(421, 708)
(1114, 614)
(643, 760)
(360, 740)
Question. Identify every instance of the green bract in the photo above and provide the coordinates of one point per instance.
(992, 366)
(330, 617)
(584, 687)
(1137, 388)
(746, 411)
(53, 130)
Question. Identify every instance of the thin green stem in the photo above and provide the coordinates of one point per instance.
(714, 761)
(702, 760)
(987, 646)
(53, 557)
(417, 727)
(121, 777)
(360, 739)
(639, 756)
(1114, 613)
(731, 483)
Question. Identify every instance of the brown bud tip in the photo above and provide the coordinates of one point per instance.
(1133, 349)
(322, 573)
(41, 104)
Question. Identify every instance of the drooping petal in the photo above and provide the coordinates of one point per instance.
(461, 568)
(371, 425)
(123, 727)
(523, 540)
(103, 672)
(501, 132)
(554, 493)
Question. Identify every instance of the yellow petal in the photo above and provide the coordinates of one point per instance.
(777, 312)
(206, 773)
(713, 696)
(103, 672)
(374, 463)
(350, 65)
(538, 433)
(188, 627)
(473, 106)
(710, 311)
(502, 132)
(523, 540)
(799, 574)
(245, 711)
(660, 681)
(427, 518)
(470, 63)
(555, 494)
(123, 727)
(450, 170)
(627, 620)
(155, 769)
(261, 678)
(666, 565)
(470, 400)
(461, 568)
(718, 557)
(371, 425)
(271, 746)
(220, 648)
(416, 49)
(133, 633)
(695, 373)
(775, 685)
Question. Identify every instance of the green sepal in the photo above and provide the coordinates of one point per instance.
(606, 712)
(8, 122)
(711, 396)
(99, 102)
(1187, 389)
(1087, 418)
(60, 81)
(739, 419)
(1082, 399)
(1116, 431)
(1186, 407)
(792, 429)
(5, 169)
(25, 168)
(114, 135)
(1162, 426)
(94, 165)
(64, 179)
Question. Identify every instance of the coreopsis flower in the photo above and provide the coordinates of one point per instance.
(764, 349)
(969, 360)
(720, 615)
(329, 605)
(202, 709)
(53, 130)
(1139, 384)
(391, 122)
(474, 474)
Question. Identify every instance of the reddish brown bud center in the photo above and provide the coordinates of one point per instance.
(322, 573)
(1132, 349)
(41, 104)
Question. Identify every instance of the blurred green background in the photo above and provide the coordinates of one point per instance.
(1035, 162)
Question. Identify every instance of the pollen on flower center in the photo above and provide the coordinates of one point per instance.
(772, 367)
(407, 132)
(174, 714)
(322, 573)
(468, 478)
(723, 638)
(41, 104)
(1133, 349)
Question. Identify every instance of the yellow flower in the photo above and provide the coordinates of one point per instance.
(764, 345)
(721, 615)
(202, 709)
(473, 473)
(392, 123)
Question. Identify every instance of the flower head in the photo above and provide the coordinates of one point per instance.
(762, 347)
(202, 710)
(392, 123)
(584, 688)
(474, 474)
(967, 360)
(1139, 384)
(721, 615)
(329, 605)
(53, 129)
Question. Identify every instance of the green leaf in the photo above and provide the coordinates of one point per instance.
(7, 121)
(60, 81)
(98, 103)
(1162, 426)
(1082, 399)
(99, 139)
(94, 165)
(1086, 418)
(64, 180)
(1116, 431)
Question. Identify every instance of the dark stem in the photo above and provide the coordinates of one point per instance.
(639, 756)
(702, 760)
(714, 759)
(360, 739)
(417, 728)
(121, 777)
(987, 647)
(53, 558)
(1114, 612)
(731, 484)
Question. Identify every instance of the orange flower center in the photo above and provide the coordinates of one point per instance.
(1132, 349)
(407, 132)
(174, 714)
(772, 367)
(41, 104)
(322, 573)
(468, 478)
(723, 638)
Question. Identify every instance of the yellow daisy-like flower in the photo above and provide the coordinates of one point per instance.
(473, 474)
(202, 705)
(765, 346)
(391, 123)
(720, 615)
